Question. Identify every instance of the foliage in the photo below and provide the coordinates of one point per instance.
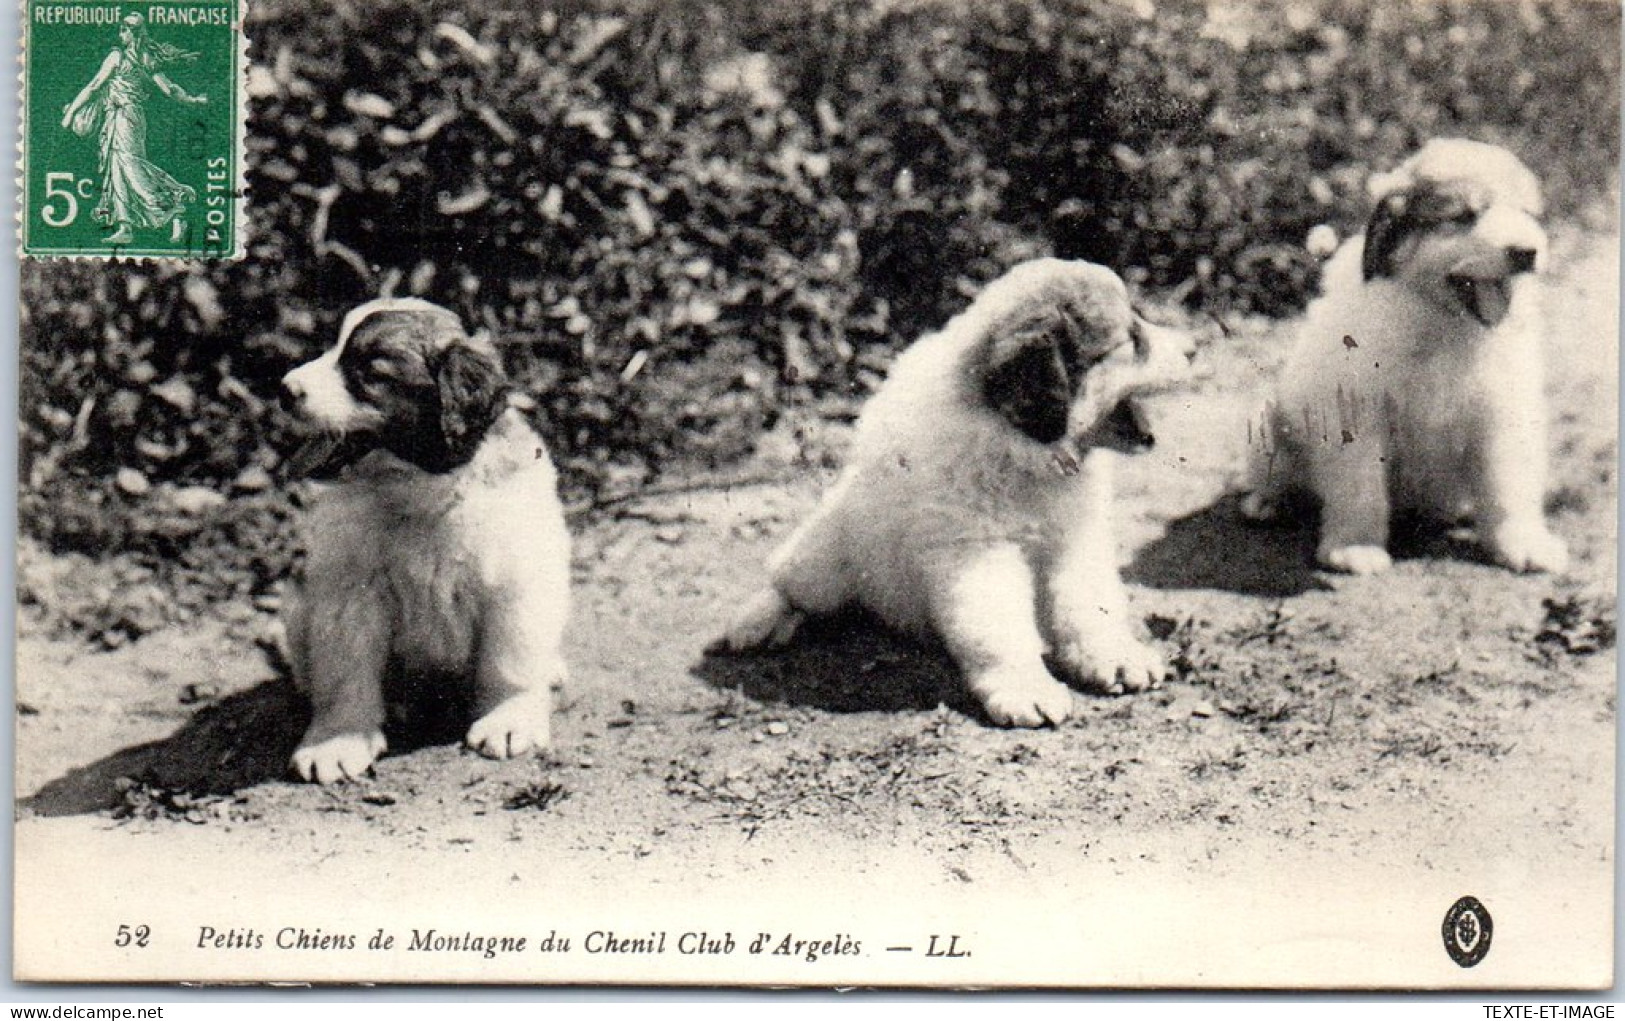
(680, 218)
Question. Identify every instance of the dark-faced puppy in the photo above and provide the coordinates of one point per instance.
(440, 551)
(977, 504)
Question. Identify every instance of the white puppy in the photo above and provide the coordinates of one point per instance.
(441, 553)
(1416, 383)
(977, 504)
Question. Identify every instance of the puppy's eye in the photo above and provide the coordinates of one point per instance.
(1448, 210)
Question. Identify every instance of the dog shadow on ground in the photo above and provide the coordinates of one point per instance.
(1216, 548)
(1421, 539)
(845, 663)
(240, 741)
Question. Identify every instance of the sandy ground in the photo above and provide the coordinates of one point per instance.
(1338, 760)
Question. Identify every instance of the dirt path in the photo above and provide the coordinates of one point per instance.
(1339, 761)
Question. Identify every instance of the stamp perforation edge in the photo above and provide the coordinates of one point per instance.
(237, 204)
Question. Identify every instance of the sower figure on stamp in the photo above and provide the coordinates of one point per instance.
(135, 191)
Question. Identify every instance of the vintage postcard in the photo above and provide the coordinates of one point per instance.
(1035, 494)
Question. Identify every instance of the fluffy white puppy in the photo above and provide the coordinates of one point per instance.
(977, 504)
(439, 556)
(1416, 383)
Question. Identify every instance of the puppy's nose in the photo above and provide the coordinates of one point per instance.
(1520, 259)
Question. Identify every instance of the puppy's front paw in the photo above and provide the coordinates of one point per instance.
(1529, 547)
(767, 621)
(1023, 698)
(340, 757)
(519, 726)
(1116, 667)
(1355, 559)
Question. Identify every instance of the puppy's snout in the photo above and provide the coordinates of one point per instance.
(1520, 259)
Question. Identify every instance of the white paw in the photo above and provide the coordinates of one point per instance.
(1257, 507)
(1115, 667)
(340, 757)
(766, 622)
(1529, 547)
(1355, 559)
(520, 726)
(1023, 698)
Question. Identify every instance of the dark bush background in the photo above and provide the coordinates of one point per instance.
(681, 218)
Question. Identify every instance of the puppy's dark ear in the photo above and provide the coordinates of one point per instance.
(1029, 384)
(473, 391)
(1390, 223)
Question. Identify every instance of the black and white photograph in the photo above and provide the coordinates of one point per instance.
(902, 494)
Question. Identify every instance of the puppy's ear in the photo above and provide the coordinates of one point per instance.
(473, 392)
(1028, 383)
(1390, 223)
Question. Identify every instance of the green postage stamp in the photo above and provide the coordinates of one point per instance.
(132, 129)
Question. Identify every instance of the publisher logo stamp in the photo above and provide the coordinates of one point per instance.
(1467, 930)
(132, 130)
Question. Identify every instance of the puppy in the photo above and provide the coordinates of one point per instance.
(976, 507)
(1416, 387)
(440, 554)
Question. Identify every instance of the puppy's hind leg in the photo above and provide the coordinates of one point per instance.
(767, 622)
(339, 658)
(983, 605)
(807, 576)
